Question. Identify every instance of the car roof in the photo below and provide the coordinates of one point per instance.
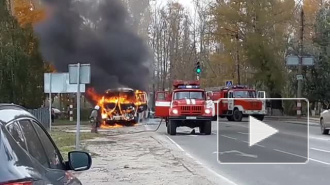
(120, 90)
(9, 112)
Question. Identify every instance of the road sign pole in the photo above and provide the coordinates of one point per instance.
(78, 108)
(300, 64)
(50, 102)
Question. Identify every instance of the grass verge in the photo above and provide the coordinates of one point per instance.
(66, 141)
(63, 122)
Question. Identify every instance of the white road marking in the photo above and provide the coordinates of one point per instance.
(254, 145)
(199, 163)
(209, 169)
(175, 144)
(319, 138)
(239, 153)
(320, 150)
(229, 137)
(220, 176)
(290, 153)
(189, 155)
(322, 162)
(260, 146)
(243, 133)
(231, 124)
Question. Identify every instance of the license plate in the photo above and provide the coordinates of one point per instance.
(191, 118)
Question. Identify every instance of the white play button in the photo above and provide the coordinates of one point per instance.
(259, 131)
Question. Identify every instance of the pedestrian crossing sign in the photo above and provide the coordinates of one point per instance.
(229, 83)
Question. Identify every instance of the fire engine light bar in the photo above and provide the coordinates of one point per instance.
(240, 87)
(188, 87)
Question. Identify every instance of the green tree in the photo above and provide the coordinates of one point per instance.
(317, 84)
(256, 33)
(22, 68)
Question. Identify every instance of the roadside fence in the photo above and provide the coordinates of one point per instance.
(42, 114)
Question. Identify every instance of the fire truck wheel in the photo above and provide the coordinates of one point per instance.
(230, 118)
(207, 128)
(171, 127)
(260, 118)
(201, 129)
(237, 115)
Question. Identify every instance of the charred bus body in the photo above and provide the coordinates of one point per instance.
(122, 106)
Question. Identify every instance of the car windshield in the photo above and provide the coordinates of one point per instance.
(189, 95)
(244, 94)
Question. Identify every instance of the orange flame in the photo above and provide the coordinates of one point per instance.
(105, 126)
(139, 98)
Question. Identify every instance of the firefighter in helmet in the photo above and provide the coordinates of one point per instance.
(95, 119)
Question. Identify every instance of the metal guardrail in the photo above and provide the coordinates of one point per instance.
(42, 114)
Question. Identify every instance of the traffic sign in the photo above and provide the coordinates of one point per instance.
(300, 77)
(59, 83)
(229, 83)
(84, 73)
(294, 61)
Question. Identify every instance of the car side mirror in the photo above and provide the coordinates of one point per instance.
(79, 161)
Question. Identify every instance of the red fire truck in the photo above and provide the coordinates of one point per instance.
(184, 106)
(236, 102)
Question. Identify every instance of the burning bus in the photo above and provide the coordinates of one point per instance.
(122, 106)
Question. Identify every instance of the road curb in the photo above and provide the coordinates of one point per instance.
(291, 117)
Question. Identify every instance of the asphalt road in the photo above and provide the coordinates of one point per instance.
(289, 145)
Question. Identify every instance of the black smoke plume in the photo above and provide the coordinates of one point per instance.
(95, 32)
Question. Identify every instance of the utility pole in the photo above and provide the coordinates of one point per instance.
(237, 59)
(301, 53)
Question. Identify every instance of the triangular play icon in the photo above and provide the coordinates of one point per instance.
(259, 131)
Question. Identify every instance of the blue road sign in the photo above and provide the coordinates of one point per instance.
(229, 83)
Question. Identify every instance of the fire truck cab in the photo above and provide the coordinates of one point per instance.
(236, 102)
(186, 106)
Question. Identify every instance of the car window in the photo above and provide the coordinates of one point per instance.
(16, 132)
(244, 94)
(33, 142)
(54, 157)
(160, 96)
(188, 95)
(197, 95)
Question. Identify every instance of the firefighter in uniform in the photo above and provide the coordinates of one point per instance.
(95, 119)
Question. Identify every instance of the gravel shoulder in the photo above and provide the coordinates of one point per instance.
(142, 158)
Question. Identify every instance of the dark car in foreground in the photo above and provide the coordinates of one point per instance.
(29, 156)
